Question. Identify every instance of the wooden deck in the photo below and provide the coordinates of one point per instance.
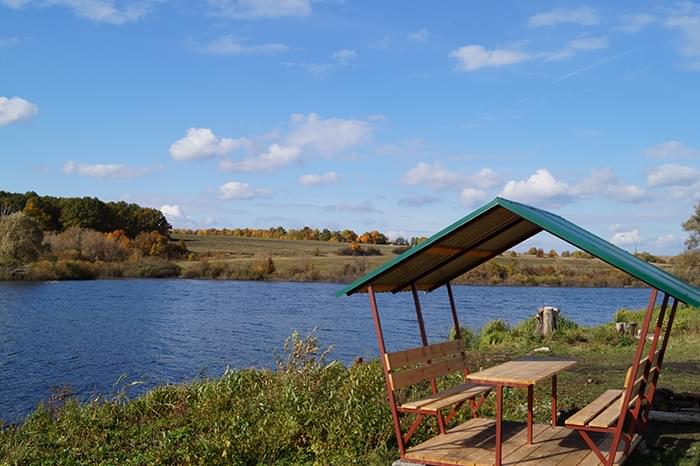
(473, 444)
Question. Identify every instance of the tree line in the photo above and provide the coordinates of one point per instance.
(61, 213)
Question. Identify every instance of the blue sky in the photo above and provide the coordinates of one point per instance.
(399, 116)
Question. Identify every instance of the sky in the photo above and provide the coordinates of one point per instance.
(399, 116)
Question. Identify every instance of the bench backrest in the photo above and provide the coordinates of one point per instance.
(639, 380)
(415, 365)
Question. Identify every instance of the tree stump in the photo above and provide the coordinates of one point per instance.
(547, 320)
(626, 328)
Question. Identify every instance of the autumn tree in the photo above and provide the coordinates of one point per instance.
(692, 225)
(20, 239)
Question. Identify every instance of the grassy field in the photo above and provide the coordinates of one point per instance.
(320, 261)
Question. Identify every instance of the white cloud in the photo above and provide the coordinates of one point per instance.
(541, 187)
(604, 182)
(626, 238)
(472, 197)
(249, 9)
(584, 16)
(685, 19)
(671, 150)
(318, 180)
(229, 45)
(276, 156)
(635, 22)
(670, 174)
(585, 44)
(172, 211)
(421, 35)
(16, 109)
(327, 137)
(344, 57)
(100, 11)
(235, 190)
(474, 57)
(200, 143)
(107, 170)
(484, 178)
(435, 176)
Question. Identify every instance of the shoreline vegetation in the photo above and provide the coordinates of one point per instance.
(313, 410)
(52, 238)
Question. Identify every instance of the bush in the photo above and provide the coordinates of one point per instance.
(493, 333)
(468, 337)
(356, 250)
(20, 239)
(151, 267)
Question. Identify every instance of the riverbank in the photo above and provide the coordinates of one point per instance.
(312, 410)
(230, 258)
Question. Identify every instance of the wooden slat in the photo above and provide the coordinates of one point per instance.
(612, 413)
(422, 354)
(427, 372)
(470, 392)
(591, 410)
(523, 371)
(640, 371)
(443, 250)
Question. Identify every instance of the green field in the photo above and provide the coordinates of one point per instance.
(320, 261)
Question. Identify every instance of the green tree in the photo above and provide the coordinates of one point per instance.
(35, 209)
(85, 212)
(20, 239)
(692, 225)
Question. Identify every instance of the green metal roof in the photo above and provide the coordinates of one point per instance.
(493, 229)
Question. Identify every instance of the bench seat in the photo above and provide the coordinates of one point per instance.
(433, 403)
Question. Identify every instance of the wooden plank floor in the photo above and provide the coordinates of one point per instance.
(473, 444)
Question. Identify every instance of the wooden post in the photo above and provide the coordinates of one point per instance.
(547, 320)
(453, 308)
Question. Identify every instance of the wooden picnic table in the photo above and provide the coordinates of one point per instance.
(521, 373)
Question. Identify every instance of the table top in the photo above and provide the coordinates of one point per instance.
(523, 371)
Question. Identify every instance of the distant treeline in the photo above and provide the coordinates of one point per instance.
(306, 233)
(60, 213)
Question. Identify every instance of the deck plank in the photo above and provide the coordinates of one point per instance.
(473, 444)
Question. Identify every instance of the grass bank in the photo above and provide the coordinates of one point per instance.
(312, 410)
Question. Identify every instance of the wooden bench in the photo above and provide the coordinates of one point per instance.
(428, 363)
(603, 413)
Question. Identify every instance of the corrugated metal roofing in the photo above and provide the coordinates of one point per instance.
(493, 229)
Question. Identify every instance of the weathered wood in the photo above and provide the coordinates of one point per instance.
(626, 328)
(525, 371)
(423, 354)
(452, 396)
(429, 371)
(671, 417)
(594, 408)
(547, 320)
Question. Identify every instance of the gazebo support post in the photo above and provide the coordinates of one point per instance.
(382, 352)
(635, 366)
(453, 308)
(424, 340)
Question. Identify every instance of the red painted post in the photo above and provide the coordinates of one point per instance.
(554, 400)
(499, 420)
(635, 366)
(424, 339)
(657, 330)
(453, 308)
(382, 352)
(529, 413)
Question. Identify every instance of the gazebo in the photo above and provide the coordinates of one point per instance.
(605, 431)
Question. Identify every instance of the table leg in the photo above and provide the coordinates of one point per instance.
(554, 400)
(499, 415)
(529, 413)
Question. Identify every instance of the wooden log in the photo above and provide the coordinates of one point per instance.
(547, 322)
(675, 417)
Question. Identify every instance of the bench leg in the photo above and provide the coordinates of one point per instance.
(554, 400)
(499, 419)
(529, 413)
(591, 444)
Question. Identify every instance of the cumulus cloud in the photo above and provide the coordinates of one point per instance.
(318, 180)
(235, 190)
(604, 182)
(107, 170)
(626, 238)
(100, 11)
(474, 57)
(672, 150)
(540, 187)
(420, 36)
(435, 176)
(327, 137)
(200, 143)
(670, 174)
(685, 20)
(418, 201)
(584, 16)
(484, 178)
(276, 156)
(16, 109)
(635, 22)
(229, 45)
(251, 9)
(472, 197)
(172, 211)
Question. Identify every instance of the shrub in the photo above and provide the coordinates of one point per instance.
(470, 339)
(356, 250)
(20, 239)
(151, 267)
(493, 333)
